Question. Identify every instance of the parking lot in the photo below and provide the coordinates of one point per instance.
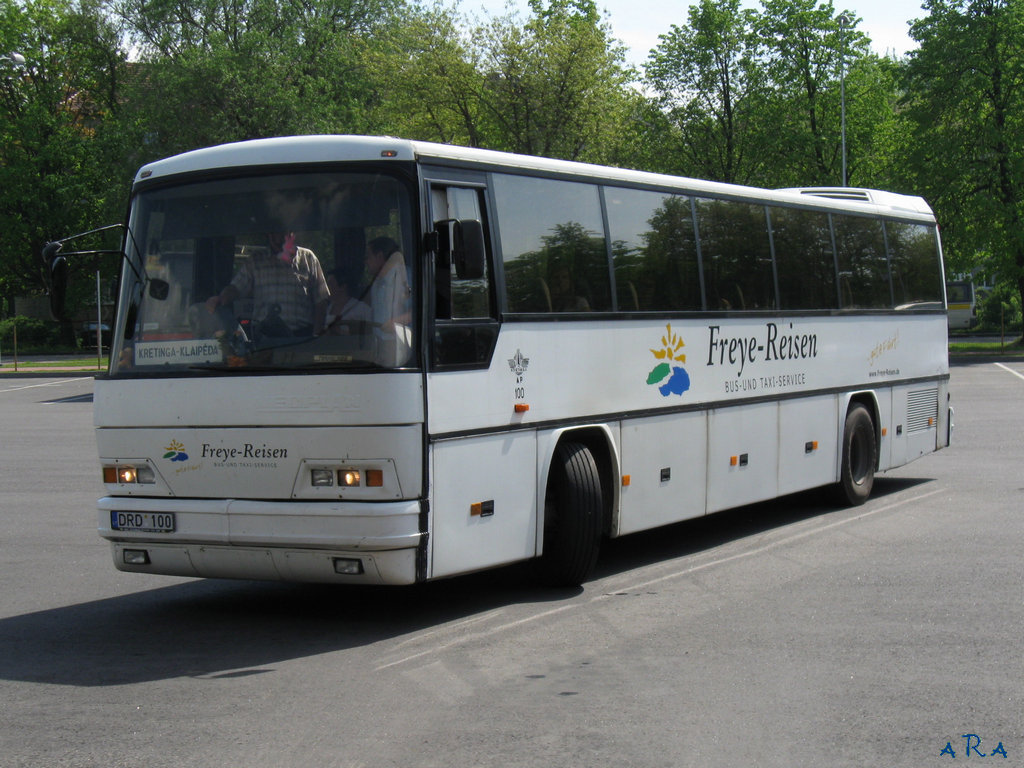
(790, 633)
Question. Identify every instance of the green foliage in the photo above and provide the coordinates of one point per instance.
(965, 102)
(553, 84)
(736, 93)
(52, 109)
(709, 84)
(1000, 309)
(213, 72)
(32, 334)
(756, 97)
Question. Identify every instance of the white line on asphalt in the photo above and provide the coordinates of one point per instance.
(33, 386)
(1010, 370)
(772, 545)
(674, 575)
(485, 633)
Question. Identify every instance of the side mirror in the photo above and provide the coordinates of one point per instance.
(468, 257)
(58, 278)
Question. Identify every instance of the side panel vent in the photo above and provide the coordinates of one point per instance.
(922, 409)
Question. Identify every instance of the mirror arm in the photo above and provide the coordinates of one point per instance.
(49, 251)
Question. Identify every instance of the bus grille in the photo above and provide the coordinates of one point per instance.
(922, 409)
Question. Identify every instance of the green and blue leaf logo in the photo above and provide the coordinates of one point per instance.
(671, 378)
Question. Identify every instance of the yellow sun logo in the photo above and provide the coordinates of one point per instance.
(671, 344)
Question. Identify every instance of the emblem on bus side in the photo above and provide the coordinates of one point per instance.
(676, 379)
(518, 365)
(175, 452)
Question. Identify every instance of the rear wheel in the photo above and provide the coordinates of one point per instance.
(860, 455)
(572, 516)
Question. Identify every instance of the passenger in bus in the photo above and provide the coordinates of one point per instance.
(563, 292)
(346, 314)
(287, 285)
(389, 295)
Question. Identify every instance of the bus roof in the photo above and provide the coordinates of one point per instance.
(309, 150)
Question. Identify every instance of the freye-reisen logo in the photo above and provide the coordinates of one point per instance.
(175, 452)
(673, 379)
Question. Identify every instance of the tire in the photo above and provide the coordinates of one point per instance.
(860, 456)
(572, 517)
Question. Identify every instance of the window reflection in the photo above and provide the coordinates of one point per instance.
(553, 246)
(655, 251)
(736, 256)
(804, 260)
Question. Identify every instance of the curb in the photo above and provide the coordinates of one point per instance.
(47, 373)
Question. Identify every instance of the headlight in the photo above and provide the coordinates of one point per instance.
(126, 474)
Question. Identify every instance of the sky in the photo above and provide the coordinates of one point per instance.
(637, 23)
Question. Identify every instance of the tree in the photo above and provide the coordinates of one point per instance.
(802, 43)
(213, 71)
(755, 97)
(551, 85)
(53, 105)
(968, 117)
(707, 81)
(431, 86)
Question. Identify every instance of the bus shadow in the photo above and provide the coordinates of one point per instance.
(218, 629)
(705, 533)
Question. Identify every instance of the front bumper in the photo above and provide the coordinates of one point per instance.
(286, 540)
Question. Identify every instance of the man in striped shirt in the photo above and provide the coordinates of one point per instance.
(288, 289)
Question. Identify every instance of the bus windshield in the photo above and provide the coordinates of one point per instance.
(273, 272)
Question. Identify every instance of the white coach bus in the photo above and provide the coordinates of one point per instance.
(536, 354)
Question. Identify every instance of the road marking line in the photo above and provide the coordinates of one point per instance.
(604, 595)
(486, 633)
(1010, 370)
(33, 386)
(771, 545)
(459, 624)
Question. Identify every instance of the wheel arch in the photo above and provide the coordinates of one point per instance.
(869, 400)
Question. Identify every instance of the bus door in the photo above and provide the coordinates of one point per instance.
(483, 498)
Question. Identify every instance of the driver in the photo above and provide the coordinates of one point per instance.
(287, 286)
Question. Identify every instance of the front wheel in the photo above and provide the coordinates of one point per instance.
(860, 455)
(572, 517)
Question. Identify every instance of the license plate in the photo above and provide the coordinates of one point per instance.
(149, 522)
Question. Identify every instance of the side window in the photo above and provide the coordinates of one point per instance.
(914, 253)
(459, 296)
(655, 251)
(465, 330)
(804, 260)
(553, 245)
(735, 253)
(863, 264)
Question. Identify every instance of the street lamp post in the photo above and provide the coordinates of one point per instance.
(843, 22)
